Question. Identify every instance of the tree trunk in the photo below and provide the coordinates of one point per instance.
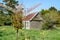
(17, 34)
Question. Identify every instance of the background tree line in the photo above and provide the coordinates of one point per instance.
(51, 18)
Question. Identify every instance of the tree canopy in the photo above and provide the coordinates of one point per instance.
(11, 3)
(51, 17)
(52, 8)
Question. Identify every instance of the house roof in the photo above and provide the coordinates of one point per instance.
(30, 16)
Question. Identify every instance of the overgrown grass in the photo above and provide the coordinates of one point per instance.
(9, 33)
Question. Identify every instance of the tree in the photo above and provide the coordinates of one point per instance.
(52, 8)
(59, 12)
(4, 18)
(51, 18)
(16, 16)
(17, 22)
(44, 11)
(10, 3)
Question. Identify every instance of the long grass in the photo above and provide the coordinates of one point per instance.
(9, 33)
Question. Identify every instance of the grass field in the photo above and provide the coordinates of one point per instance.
(9, 33)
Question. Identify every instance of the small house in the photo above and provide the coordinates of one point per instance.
(32, 21)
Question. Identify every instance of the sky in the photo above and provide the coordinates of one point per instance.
(45, 4)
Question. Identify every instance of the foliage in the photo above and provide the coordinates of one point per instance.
(8, 33)
(59, 12)
(17, 15)
(4, 19)
(17, 21)
(52, 8)
(44, 11)
(11, 3)
(8, 20)
(50, 18)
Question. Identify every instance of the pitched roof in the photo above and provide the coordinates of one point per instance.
(29, 17)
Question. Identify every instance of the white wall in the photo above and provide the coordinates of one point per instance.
(26, 24)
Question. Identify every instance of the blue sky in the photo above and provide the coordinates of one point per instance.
(45, 4)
